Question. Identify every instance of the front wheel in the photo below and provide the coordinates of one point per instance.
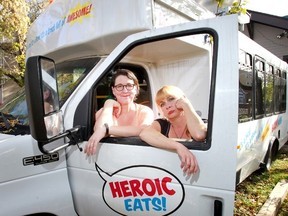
(269, 158)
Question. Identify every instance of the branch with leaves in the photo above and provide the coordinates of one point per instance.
(237, 7)
(15, 18)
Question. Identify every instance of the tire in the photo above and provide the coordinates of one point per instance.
(266, 166)
(269, 160)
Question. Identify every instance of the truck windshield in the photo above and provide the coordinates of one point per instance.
(14, 113)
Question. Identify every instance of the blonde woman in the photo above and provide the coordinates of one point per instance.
(181, 121)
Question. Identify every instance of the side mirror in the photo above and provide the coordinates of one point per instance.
(45, 116)
(52, 115)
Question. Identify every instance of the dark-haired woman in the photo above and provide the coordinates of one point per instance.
(120, 117)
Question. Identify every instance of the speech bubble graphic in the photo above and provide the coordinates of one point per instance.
(155, 191)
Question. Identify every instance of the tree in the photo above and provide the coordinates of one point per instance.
(15, 18)
(36, 8)
(13, 27)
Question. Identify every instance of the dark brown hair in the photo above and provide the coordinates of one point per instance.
(127, 73)
(124, 72)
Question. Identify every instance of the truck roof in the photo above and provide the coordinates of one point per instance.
(72, 29)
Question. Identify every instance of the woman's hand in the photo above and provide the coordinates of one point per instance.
(189, 162)
(115, 106)
(182, 103)
(91, 146)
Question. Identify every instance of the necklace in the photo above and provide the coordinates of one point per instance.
(179, 137)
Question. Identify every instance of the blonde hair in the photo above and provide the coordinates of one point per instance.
(167, 91)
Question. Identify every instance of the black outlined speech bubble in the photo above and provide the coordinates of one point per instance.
(154, 191)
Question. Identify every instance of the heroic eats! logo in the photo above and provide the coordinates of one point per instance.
(154, 191)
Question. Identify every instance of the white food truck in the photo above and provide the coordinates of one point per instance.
(75, 46)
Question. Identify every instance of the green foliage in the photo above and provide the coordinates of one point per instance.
(220, 2)
(13, 27)
(237, 8)
(15, 18)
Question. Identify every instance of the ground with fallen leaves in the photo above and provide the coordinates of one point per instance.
(252, 193)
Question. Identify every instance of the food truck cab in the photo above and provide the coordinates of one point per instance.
(73, 49)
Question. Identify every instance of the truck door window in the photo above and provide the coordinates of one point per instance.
(185, 62)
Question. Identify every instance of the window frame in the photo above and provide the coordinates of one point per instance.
(136, 141)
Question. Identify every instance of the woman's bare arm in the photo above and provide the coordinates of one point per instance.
(195, 125)
(152, 136)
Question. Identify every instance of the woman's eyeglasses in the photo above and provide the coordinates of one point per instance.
(128, 87)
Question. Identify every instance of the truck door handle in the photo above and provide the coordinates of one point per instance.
(217, 208)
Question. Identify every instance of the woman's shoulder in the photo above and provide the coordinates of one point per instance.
(164, 125)
(162, 121)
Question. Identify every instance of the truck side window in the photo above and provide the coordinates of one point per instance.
(245, 87)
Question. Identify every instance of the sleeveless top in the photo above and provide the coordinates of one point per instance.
(165, 126)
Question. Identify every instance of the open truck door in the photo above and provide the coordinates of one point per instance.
(127, 176)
